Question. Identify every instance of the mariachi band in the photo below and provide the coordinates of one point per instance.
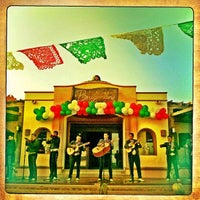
(102, 151)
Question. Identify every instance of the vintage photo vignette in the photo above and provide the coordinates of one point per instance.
(196, 82)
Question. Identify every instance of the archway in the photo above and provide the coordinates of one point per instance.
(148, 140)
(43, 134)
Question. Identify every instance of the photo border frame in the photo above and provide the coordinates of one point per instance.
(195, 5)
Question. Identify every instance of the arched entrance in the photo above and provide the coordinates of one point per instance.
(92, 129)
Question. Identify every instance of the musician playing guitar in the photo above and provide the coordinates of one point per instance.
(106, 158)
(75, 157)
(132, 147)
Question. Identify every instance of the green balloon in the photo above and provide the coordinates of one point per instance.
(145, 107)
(118, 110)
(64, 106)
(38, 117)
(142, 113)
(88, 110)
(91, 104)
(147, 113)
(121, 104)
(94, 111)
(36, 110)
(42, 109)
(62, 112)
(68, 112)
(115, 103)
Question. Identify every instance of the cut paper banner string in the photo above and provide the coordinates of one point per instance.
(43, 57)
(187, 28)
(85, 50)
(12, 63)
(147, 41)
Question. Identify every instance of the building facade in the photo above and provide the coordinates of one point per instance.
(92, 108)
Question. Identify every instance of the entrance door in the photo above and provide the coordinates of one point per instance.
(93, 133)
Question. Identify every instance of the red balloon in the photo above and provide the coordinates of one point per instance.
(133, 106)
(136, 113)
(58, 107)
(112, 111)
(139, 106)
(106, 111)
(166, 115)
(85, 113)
(53, 108)
(80, 103)
(85, 104)
(158, 116)
(162, 110)
(109, 104)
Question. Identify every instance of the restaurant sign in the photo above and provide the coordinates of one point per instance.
(95, 94)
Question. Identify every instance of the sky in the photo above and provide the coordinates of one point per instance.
(35, 26)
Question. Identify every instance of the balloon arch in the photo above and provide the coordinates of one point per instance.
(85, 108)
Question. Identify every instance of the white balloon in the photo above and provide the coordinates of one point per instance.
(130, 111)
(104, 105)
(96, 105)
(74, 102)
(127, 105)
(124, 110)
(70, 106)
(100, 106)
(51, 115)
(77, 108)
(45, 115)
(152, 114)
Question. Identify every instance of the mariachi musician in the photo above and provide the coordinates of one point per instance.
(33, 146)
(54, 146)
(132, 147)
(74, 150)
(106, 156)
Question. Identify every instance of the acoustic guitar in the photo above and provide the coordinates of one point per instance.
(72, 150)
(101, 150)
(132, 146)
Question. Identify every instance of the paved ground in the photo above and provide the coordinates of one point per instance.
(90, 185)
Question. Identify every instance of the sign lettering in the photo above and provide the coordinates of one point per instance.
(95, 94)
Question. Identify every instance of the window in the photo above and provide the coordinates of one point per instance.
(148, 142)
(42, 135)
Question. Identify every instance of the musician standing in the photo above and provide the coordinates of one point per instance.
(75, 157)
(133, 156)
(10, 155)
(172, 156)
(54, 146)
(107, 158)
(33, 147)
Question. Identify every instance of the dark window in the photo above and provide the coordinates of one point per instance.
(149, 137)
(42, 136)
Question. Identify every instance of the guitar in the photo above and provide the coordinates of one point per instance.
(101, 149)
(132, 146)
(71, 150)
